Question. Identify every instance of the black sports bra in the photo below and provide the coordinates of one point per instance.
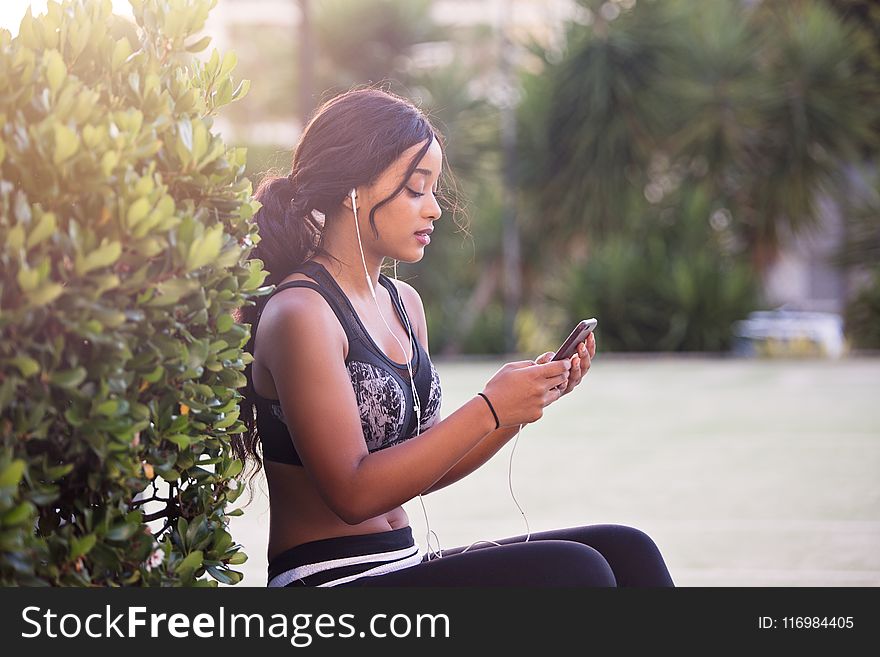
(381, 386)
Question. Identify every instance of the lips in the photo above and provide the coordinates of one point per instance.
(424, 236)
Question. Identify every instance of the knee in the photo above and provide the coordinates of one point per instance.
(575, 564)
(634, 539)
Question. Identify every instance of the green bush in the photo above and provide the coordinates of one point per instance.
(124, 237)
(862, 314)
(676, 286)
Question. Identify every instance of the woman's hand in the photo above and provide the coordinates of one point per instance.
(520, 391)
(580, 362)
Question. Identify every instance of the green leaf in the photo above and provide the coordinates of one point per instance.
(155, 375)
(28, 279)
(237, 559)
(17, 515)
(12, 473)
(190, 563)
(108, 162)
(137, 211)
(199, 45)
(66, 143)
(68, 378)
(104, 256)
(234, 468)
(58, 471)
(44, 228)
(15, 237)
(230, 59)
(56, 71)
(224, 323)
(185, 129)
(107, 408)
(227, 421)
(26, 365)
(80, 546)
(46, 294)
(181, 440)
(121, 52)
(171, 291)
(121, 532)
(241, 90)
(225, 576)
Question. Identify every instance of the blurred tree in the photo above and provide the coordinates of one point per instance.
(360, 42)
(758, 105)
(589, 123)
(822, 116)
(866, 15)
(768, 103)
(461, 261)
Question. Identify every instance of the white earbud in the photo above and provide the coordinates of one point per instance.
(354, 210)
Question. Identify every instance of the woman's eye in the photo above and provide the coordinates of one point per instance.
(414, 193)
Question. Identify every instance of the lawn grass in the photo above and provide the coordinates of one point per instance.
(745, 472)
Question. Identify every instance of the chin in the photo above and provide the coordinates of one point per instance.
(410, 257)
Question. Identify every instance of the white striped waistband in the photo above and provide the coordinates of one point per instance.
(391, 561)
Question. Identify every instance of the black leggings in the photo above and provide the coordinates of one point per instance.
(596, 555)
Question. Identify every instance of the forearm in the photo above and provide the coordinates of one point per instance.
(485, 450)
(390, 477)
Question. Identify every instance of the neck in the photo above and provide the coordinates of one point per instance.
(346, 264)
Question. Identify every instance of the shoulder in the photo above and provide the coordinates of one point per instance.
(412, 302)
(297, 315)
(408, 294)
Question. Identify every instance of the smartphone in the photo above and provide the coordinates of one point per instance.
(578, 335)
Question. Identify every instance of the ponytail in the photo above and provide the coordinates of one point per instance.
(289, 235)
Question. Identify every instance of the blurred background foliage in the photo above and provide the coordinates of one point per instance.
(664, 155)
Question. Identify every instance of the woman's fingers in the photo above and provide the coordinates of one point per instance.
(553, 394)
(559, 380)
(575, 374)
(580, 364)
(544, 358)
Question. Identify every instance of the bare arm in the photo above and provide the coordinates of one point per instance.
(474, 459)
(496, 439)
(492, 442)
(307, 365)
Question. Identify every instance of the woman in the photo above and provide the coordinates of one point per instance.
(342, 395)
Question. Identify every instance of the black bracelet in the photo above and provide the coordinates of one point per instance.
(497, 422)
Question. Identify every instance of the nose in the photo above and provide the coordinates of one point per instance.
(431, 209)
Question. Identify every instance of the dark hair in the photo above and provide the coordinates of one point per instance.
(349, 141)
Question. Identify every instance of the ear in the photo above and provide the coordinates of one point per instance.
(347, 200)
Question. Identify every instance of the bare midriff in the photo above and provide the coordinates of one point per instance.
(299, 514)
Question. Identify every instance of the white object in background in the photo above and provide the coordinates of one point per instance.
(791, 327)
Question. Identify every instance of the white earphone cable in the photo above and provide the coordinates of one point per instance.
(431, 552)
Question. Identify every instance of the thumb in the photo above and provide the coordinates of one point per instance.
(545, 357)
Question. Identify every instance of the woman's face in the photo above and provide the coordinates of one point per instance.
(405, 222)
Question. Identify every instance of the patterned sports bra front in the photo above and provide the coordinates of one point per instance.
(381, 386)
